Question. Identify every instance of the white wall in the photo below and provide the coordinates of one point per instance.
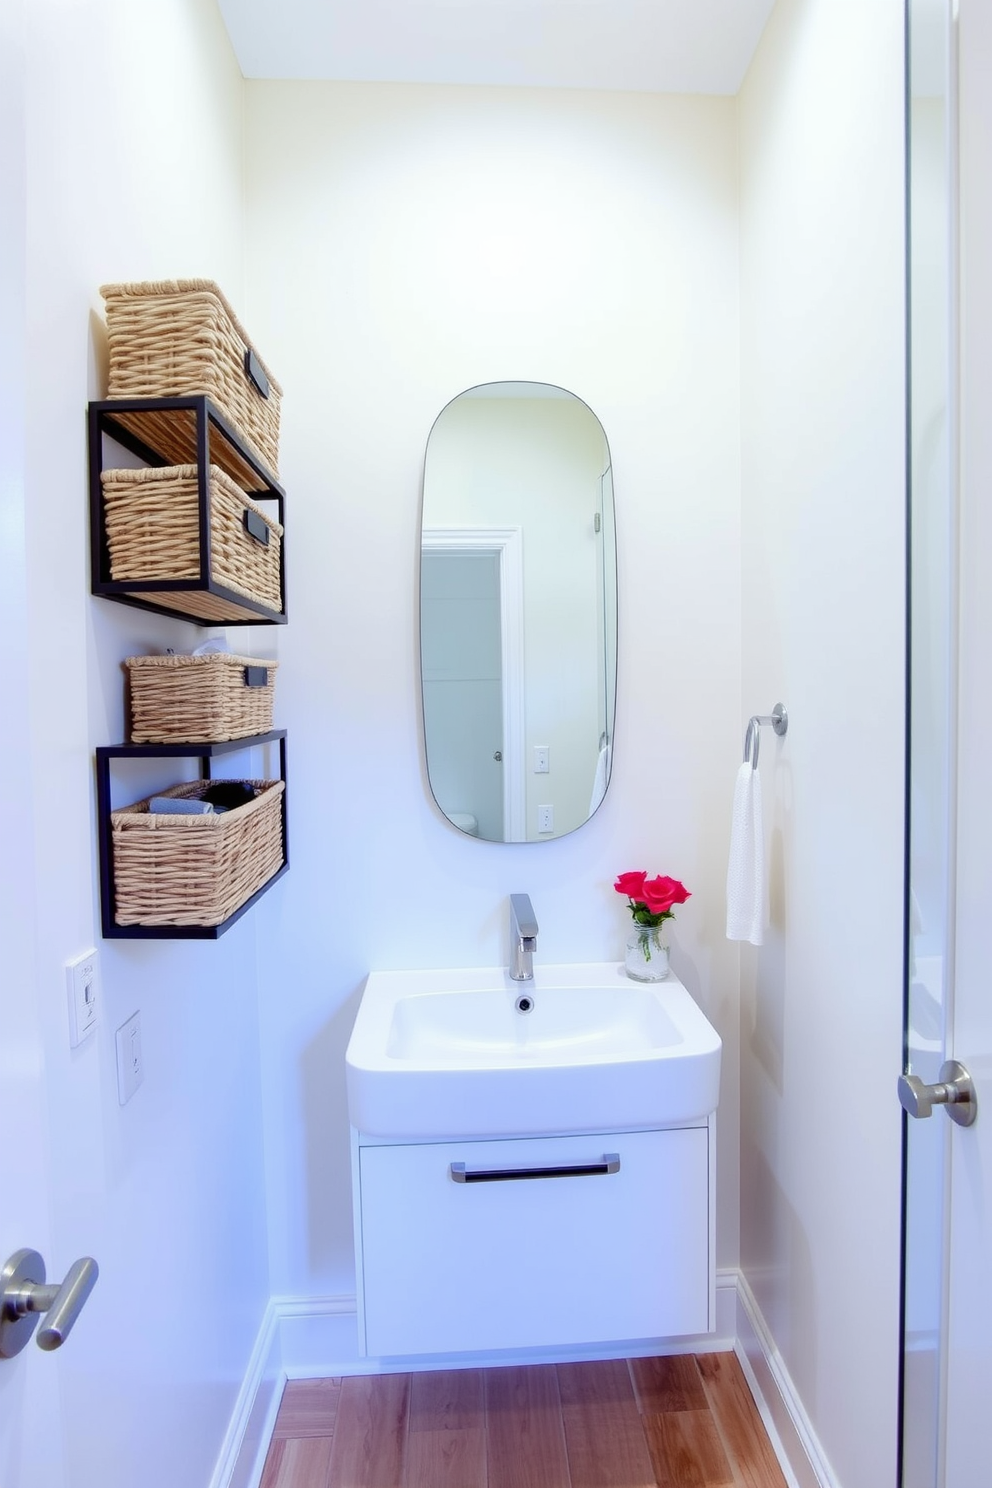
(823, 606)
(406, 243)
(133, 126)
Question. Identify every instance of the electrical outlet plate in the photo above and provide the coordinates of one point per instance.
(130, 1065)
(81, 977)
(545, 818)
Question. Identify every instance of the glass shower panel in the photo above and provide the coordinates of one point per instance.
(931, 689)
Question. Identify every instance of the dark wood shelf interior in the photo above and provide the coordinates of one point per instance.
(164, 431)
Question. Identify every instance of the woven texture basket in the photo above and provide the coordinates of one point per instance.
(180, 337)
(198, 699)
(152, 521)
(194, 870)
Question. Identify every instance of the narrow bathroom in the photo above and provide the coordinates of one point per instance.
(701, 240)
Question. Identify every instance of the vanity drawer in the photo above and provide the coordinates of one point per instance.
(454, 1262)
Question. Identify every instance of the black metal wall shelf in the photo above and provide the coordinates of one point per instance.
(180, 431)
(204, 752)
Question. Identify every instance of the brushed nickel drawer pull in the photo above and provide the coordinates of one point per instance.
(610, 1164)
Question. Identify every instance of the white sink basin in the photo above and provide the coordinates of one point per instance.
(446, 1054)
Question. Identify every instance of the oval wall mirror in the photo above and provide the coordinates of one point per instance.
(518, 611)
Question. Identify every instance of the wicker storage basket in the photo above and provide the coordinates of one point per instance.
(181, 337)
(199, 699)
(194, 870)
(152, 522)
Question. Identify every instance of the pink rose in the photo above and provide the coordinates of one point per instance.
(630, 884)
(659, 894)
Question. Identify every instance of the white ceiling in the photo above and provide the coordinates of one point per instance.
(668, 46)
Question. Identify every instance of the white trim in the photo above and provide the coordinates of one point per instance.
(725, 1337)
(246, 1442)
(789, 1428)
(717, 1279)
(509, 544)
(317, 1337)
(320, 1337)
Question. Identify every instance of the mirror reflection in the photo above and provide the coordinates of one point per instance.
(518, 612)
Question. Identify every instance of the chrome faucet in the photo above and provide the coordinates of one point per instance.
(523, 938)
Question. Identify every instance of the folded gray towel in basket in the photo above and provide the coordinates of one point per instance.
(179, 806)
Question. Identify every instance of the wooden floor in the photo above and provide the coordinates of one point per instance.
(682, 1422)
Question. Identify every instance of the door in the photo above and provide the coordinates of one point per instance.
(969, 1285)
(948, 1215)
(462, 670)
(472, 670)
(30, 1430)
(30, 1427)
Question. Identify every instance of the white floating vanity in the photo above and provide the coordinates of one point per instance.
(531, 1180)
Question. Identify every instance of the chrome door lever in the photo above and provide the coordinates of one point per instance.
(23, 1295)
(955, 1091)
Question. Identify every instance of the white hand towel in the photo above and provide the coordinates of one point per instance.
(601, 779)
(746, 870)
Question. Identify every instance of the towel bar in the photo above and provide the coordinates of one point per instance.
(779, 720)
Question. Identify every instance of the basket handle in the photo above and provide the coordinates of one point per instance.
(256, 676)
(256, 527)
(256, 372)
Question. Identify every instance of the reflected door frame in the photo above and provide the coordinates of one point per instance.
(508, 545)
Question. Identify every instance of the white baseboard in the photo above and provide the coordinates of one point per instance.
(320, 1337)
(314, 1338)
(790, 1431)
(246, 1442)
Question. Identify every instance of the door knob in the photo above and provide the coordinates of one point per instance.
(23, 1295)
(954, 1091)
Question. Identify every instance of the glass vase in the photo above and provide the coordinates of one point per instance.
(646, 958)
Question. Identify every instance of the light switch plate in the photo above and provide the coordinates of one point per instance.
(130, 1066)
(81, 978)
